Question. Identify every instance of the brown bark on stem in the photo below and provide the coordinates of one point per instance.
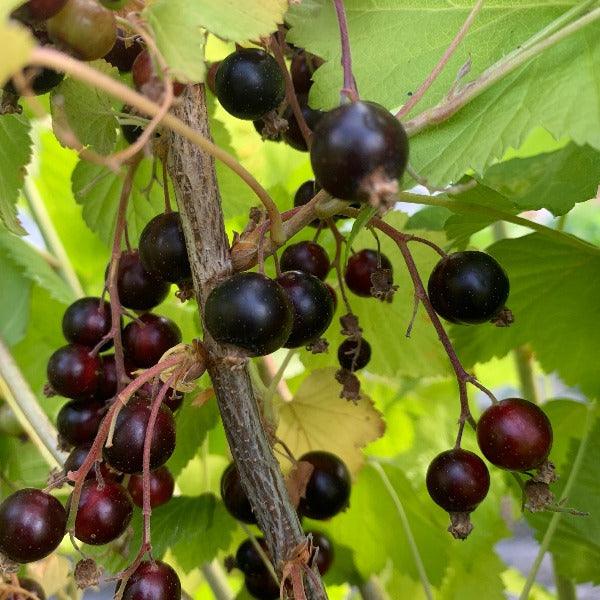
(198, 198)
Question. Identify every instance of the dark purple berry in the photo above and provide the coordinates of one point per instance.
(162, 485)
(354, 354)
(78, 421)
(361, 267)
(73, 372)
(307, 257)
(234, 497)
(87, 321)
(153, 580)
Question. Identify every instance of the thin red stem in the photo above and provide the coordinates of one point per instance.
(349, 89)
(337, 263)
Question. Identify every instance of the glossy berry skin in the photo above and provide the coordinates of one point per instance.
(85, 27)
(104, 513)
(353, 356)
(78, 421)
(40, 10)
(248, 560)
(468, 287)
(333, 295)
(87, 321)
(307, 257)
(515, 434)
(234, 497)
(328, 489)
(108, 384)
(162, 485)
(302, 67)
(148, 338)
(325, 554)
(73, 372)
(250, 311)
(138, 289)
(292, 136)
(361, 266)
(39, 80)
(32, 525)
(262, 586)
(304, 194)
(249, 83)
(146, 79)
(123, 54)
(356, 141)
(162, 248)
(457, 480)
(127, 451)
(173, 399)
(31, 586)
(77, 457)
(153, 580)
(312, 307)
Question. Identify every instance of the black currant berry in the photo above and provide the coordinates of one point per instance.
(153, 580)
(173, 398)
(73, 372)
(87, 321)
(162, 248)
(324, 557)
(162, 485)
(356, 148)
(361, 267)
(104, 512)
(262, 586)
(124, 52)
(31, 586)
(312, 307)
(234, 497)
(78, 421)
(251, 311)
(302, 67)
(39, 80)
(457, 480)
(307, 257)
(32, 525)
(211, 75)
(292, 136)
(333, 295)
(147, 338)
(77, 457)
(249, 83)
(127, 451)
(138, 289)
(247, 558)
(468, 287)
(40, 10)
(306, 192)
(108, 384)
(328, 489)
(146, 79)
(354, 354)
(85, 27)
(275, 135)
(515, 434)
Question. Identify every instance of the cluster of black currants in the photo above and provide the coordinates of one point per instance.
(327, 493)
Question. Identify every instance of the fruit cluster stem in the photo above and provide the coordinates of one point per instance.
(199, 202)
(349, 90)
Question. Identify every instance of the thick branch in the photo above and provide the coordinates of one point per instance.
(199, 204)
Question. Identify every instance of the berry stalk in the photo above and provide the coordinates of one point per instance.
(349, 90)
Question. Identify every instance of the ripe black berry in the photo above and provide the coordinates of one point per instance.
(355, 147)
(85, 27)
(251, 311)
(457, 480)
(307, 257)
(247, 558)
(137, 288)
(302, 67)
(162, 248)
(249, 84)
(328, 489)
(361, 266)
(515, 434)
(306, 192)
(104, 512)
(324, 557)
(40, 80)
(173, 398)
(108, 384)
(124, 52)
(87, 321)
(333, 295)
(468, 287)
(77, 457)
(312, 307)
(127, 451)
(32, 525)
(78, 421)
(262, 586)
(31, 586)
(234, 497)
(162, 485)
(73, 372)
(153, 580)
(146, 339)
(354, 354)
(292, 136)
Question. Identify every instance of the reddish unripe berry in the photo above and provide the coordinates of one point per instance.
(87, 321)
(162, 485)
(234, 497)
(361, 266)
(32, 525)
(74, 373)
(457, 480)
(515, 434)
(147, 338)
(153, 580)
(307, 257)
(147, 80)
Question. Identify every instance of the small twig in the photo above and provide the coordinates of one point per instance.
(458, 38)
(337, 260)
(349, 90)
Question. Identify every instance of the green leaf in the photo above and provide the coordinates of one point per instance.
(34, 267)
(20, 42)
(575, 545)
(556, 180)
(239, 20)
(14, 302)
(177, 27)
(554, 291)
(431, 218)
(364, 216)
(15, 154)
(98, 189)
(193, 424)
(87, 111)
